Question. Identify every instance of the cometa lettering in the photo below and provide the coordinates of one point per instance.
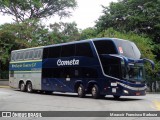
(67, 62)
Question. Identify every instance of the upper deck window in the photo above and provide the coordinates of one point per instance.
(52, 52)
(105, 47)
(13, 56)
(84, 49)
(128, 49)
(68, 50)
(38, 54)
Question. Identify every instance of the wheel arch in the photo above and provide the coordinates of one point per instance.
(76, 85)
(90, 85)
(20, 81)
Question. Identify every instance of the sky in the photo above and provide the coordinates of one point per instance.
(85, 15)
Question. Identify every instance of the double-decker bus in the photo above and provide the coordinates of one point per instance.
(100, 66)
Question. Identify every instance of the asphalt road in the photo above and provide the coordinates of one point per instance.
(14, 100)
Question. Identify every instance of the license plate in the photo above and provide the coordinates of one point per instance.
(138, 93)
(138, 82)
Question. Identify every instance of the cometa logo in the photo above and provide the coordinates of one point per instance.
(67, 62)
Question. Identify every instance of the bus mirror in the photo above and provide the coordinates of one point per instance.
(150, 61)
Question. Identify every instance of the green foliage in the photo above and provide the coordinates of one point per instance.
(64, 32)
(33, 9)
(88, 33)
(138, 16)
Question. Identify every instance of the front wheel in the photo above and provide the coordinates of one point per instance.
(81, 91)
(95, 92)
(29, 87)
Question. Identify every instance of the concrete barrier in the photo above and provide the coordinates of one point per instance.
(4, 82)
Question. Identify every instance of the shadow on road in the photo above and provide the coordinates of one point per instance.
(74, 95)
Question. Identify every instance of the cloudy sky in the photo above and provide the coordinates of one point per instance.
(87, 12)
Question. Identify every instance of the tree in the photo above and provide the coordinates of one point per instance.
(64, 32)
(8, 42)
(31, 32)
(29, 9)
(138, 16)
(88, 33)
(143, 43)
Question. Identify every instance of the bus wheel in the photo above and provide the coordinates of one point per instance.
(81, 91)
(95, 92)
(29, 87)
(116, 96)
(22, 87)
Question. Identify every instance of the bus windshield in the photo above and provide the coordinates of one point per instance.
(134, 73)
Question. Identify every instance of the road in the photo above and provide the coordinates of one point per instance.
(14, 100)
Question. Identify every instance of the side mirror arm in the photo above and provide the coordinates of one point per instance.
(150, 61)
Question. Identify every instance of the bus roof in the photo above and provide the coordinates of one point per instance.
(73, 42)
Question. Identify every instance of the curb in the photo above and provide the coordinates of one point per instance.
(4, 87)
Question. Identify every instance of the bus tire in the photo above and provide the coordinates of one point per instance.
(29, 87)
(116, 96)
(81, 91)
(22, 87)
(95, 92)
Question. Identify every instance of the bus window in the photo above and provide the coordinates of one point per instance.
(13, 56)
(105, 47)
(84, 49)
(26, 55)
(30, 55)
(17, 56)
(68, 50)
(45, 52)
(38, 54)
(54, 52)
(21, 56)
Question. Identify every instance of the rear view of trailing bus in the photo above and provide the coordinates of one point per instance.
(100, 66)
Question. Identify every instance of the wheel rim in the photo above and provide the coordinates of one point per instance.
(22, 86)
(94, 91)
(80, 91)
(29, 88)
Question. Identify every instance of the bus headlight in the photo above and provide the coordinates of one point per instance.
(125, 91)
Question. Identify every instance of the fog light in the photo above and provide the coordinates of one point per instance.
(125, 91)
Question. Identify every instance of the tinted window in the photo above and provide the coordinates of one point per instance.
(83, 49)
(52, 52)
(68, 50)
(69, 72)
(128, 49)
(105, 47)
